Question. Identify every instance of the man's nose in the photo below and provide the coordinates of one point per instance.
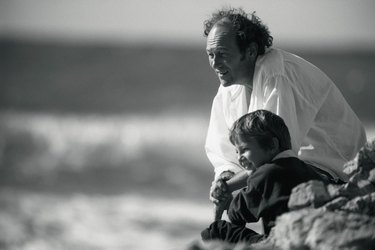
(215, 62)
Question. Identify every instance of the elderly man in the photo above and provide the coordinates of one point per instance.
(325, 131)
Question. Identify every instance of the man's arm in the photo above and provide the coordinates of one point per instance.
(219, 150)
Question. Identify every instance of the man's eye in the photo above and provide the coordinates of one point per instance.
(222, 54)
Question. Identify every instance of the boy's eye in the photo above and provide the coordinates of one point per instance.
(240, 151)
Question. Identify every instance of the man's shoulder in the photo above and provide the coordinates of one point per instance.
(277, 62)
(270, 63)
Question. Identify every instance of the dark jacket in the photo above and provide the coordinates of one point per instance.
(268, 191)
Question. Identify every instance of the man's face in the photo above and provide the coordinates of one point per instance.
(250, 155)
(225, 57)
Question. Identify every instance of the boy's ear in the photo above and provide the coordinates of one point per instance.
(276, 145)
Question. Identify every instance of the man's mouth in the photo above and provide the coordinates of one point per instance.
(221, 73)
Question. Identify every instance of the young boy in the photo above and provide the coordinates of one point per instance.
(263, 146)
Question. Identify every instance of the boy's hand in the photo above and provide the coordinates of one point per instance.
(220, 207)
(219, 192)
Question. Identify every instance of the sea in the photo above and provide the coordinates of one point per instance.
(102, 147)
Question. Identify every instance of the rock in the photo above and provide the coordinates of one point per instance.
(371, 176)
(362, 205)
(308, 194)
(362, 175)
(334, 230)
(334, 190)
(351, 167)
(359, 184)
(366, 156)
(292, 228)
(320, 229)
(336, 204)
(364, 161)
(352, 189)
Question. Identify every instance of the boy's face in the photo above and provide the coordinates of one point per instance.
(250, 155)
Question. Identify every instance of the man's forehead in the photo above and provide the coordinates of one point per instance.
(222, 26)
(220, 32)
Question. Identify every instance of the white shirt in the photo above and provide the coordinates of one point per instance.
(325, 131)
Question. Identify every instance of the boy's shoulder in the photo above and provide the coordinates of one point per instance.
(277, 168)
(281, 164)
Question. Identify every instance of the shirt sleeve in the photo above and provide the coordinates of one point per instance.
(283, 99)
(244, 207)
(219, 150)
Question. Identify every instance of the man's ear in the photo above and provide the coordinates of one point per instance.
(252, 51)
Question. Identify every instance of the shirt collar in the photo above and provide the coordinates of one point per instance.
(285, 154)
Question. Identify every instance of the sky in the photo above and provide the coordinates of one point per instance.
(333, 24)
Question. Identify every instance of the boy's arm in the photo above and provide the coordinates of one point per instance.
(238, 181)
(220, 192)
(244, 207)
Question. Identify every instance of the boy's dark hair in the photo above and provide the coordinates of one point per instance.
(262, 125)
(248, 27)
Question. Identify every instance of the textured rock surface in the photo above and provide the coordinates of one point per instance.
(320, 229)
(346, 217)
(361, 205)
(308, 194)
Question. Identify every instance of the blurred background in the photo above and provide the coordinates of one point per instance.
(104, 107)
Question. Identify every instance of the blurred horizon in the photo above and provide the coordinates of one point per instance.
(42, 75)
(314, 25)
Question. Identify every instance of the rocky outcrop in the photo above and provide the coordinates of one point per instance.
(320, 229)
(332, 216)
(309, 194)
(326, 216)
